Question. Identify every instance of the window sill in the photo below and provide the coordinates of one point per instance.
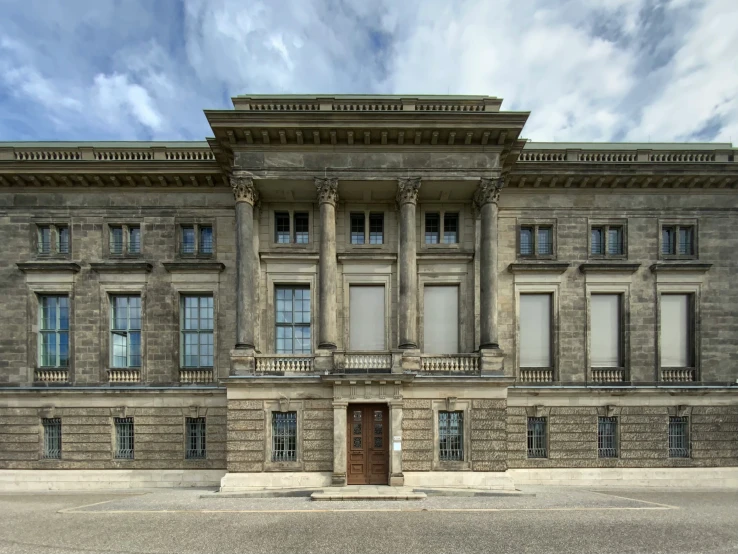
(538, 266)
(193, 266)
(675, 266)
(51, 266)
(121, 267)
(608, 267)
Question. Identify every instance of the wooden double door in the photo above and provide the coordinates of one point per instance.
(368, 444)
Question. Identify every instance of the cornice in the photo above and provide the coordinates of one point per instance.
(538, 267)
(677, 267)
(608, 267)
(194, 266)
(121, 267)
(48, 267)
(441, 255)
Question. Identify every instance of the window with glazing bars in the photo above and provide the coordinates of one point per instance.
(43, 242)
(535, 240)
(188, 239)
(124, 438)
(197, 331)
(125, 331)
(284, 436)
(537, 447)
(451, 436)
(607, 240)
(282, 227)
(53, 331)
(52, 235)
(125, 239)
(432, 228)
(607, 428)
(302, 225)
(293, 320)
(678, 437)
(450, 228)
(62, 240)
(376, 228)
(205, 244)
(195, 447)
(52, 439)
(677, 240)
(116, 239)
(357, 228)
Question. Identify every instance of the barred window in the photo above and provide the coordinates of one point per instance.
(125, 331)
(432, 228)
(293, 320)
(357, 228)
(526, 241)
(44, 239)
(53, 340)
(678, 240)
(679, 437)
(124, 239)
(124, 438)
(376, 228)
(52, 439)
(195, 447)
(116, 239)
(535, 241)
(607, 240)
(206, 240)
(450, 228)
(62, 240)
(188, 239)
(134, 240)
(302, 226)
(282, 227)
(52, 239)
(607, 437)
(451, 436)
(597, 245)
(537, 447)
(197, 331)
(545, 241)
(615, 241)
(284, 436)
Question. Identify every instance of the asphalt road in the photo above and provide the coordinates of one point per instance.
(554, 520)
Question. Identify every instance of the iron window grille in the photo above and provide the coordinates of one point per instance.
(195, 448)
(134, 240)
(607, 241)
(124, 240)
(537, 444)
(432, 228)
(284, 436)
(282, 227)
(451, 436)
(357, 228)
(52, 439)
(679, 437)
(302, 228)
(125, 331)
(678, 241)
(124, 446)
(53, 331)
(62, 240)
(535, 241)
(188, 240)
(52, 240)
(293, 320)
(196, 240)
(44, 239)
(607, 437)
(205, 240)
(376, 228)
(197, 331)
(116, 239)
(450, 228)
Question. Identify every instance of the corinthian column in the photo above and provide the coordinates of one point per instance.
(246, 259)
(485, 198)
(327, 197)
(407, 198)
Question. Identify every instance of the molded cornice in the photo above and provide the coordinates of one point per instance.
(48, 267)
(538, 267)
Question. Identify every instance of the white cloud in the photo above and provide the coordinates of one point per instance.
(116, 98)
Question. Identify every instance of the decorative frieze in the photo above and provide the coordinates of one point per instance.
(327, 190)
(244, 189)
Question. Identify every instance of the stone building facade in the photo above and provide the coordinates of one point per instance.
(350, 289)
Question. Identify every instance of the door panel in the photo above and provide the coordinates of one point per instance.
(368, 444)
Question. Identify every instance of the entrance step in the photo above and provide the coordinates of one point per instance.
(367, 492)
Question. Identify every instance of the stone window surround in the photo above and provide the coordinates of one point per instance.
(441, 210)
(544, 283)
(107, 291)
(54, 223)
(384, 279)
(195, 412)
(605, 223)
(680, 285)
(610, 284)
(540, 410)
(451, 405)
(49, 284)
(447, 278)
(126, 224)
(115, 413)
(536, 223)
(195, 222)
(282, 405)
(679, 222)
(193, 289)
(289, 278)
(609, 412)
(298, 207)
(49, 413)
(388, 241)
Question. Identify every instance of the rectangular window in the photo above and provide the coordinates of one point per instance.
(188, 240)
(679, 437)
(376, 228)
(206, 240)
(125, 331)
(535, 330)
(282, 227)
(62, 240)
(605, 330)
(52, 439)
(451, 436)
(357, 228)
(615, 241)
(44, 239)
(607, 240)
(366, 317)
(124, 438)
(535, 241)
(441, 319)
(676, 335)
(544, 241)
(195, 447)
(53, 331)
(284, 436)
(432, 228)
(686, 241)
(450, 228)
(537, 444)
(116, 239)
(607, 428)
(678, 240)
(293, 320)
(302, 234)
(134, 240)
(197, 331)
(124, 239)
(597, 244)
(526, 241)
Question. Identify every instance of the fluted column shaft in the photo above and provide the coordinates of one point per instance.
(327, 327)
(246, 197)
(407, 198)
(486, 199)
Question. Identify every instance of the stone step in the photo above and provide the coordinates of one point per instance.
(367, 493)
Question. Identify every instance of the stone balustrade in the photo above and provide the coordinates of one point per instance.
(195, 375)
(679, 375)
(284, 363)
(368, 361)
(56, 375)
(536, 375)
(449, 363)
(644, 155)
(124, 375)
(608, 375)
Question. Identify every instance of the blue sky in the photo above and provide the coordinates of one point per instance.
(588, 70)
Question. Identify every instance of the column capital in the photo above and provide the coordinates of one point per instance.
(407, 190)
(327, 190)
(244, 189)
(488, 191)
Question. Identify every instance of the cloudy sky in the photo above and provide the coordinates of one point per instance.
(588, 70)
